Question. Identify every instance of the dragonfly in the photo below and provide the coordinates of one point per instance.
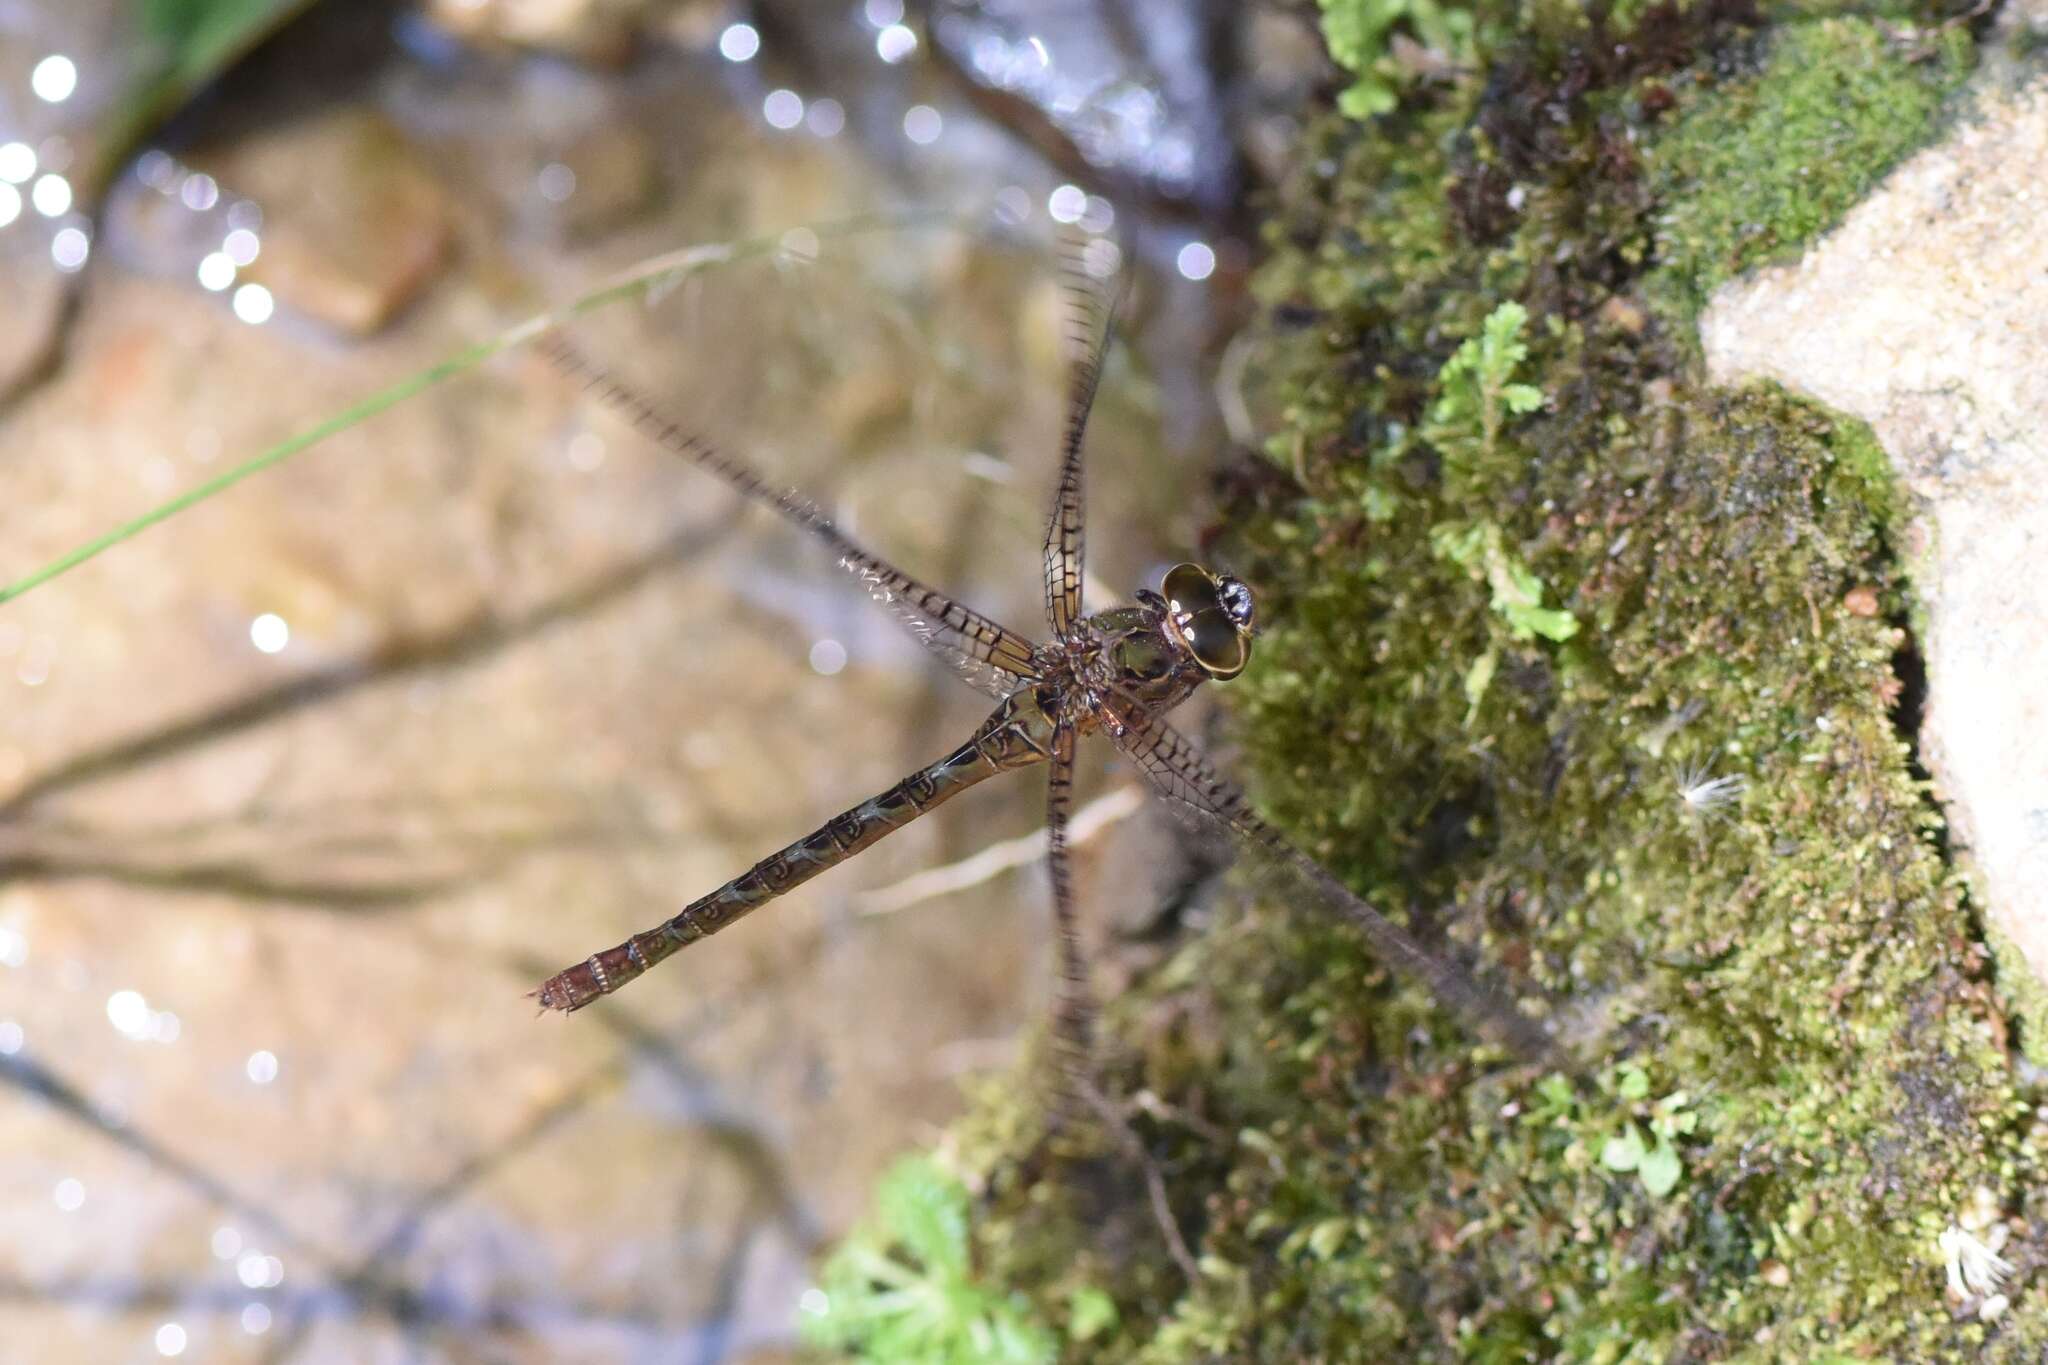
(1115, 673)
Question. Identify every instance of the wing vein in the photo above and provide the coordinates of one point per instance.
(990, 656)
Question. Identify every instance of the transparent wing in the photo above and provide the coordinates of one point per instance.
(1178, 770)
(969, 643)
(989, 656)
(1087, 271)
(1073, 1017)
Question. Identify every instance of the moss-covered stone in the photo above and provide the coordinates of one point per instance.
(1689, 830)
(1767, 161)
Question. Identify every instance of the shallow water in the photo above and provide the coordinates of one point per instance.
(301, 791)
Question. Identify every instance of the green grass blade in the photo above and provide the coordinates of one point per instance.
(652, 274)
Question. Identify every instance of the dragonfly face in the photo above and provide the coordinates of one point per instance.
(1211, 617)
(1198, 628)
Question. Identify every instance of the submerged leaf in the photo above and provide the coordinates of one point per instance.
(201, 36)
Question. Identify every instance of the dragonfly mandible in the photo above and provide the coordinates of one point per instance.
(1115, 673)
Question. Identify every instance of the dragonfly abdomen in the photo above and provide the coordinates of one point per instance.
(1009, 739)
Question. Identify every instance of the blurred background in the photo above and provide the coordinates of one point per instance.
(302, 790)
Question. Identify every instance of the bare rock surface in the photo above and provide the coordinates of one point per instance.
(1926, 314)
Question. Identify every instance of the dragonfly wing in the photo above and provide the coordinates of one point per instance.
(1073, 1019)
(983, 654)
(1183, 775)
(1091, 305)
(988, 655)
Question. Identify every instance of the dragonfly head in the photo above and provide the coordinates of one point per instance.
(1211, 617)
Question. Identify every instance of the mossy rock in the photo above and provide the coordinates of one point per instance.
(1690, 830)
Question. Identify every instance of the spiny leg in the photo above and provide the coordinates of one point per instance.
(1120, 1130)
(1074, 1011)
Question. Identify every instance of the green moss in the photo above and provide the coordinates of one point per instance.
(2024, 993)
(1797, 968)
(1758, 166)
(1865, 465)
(1791, 1074)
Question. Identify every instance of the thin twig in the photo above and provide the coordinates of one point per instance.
(997, 859)
(1155, 1183)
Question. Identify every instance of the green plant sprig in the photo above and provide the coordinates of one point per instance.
(652, 275)
(1361, 35)
(1477, 393)
(901, 1287)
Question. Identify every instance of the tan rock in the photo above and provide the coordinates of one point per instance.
(605, 743)
(602, 181)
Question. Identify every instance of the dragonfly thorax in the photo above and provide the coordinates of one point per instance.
(1159, 651)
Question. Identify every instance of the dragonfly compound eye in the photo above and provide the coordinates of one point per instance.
(1211, 616)
(1218, 645)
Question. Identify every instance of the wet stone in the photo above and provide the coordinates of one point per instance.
(573, 687)
(601, 32)
(356, 225)
(601, 182)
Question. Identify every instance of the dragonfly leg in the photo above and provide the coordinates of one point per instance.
(1126, 1137)
(1073, 1018)
(1082, 1109)
(1074, 1009)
